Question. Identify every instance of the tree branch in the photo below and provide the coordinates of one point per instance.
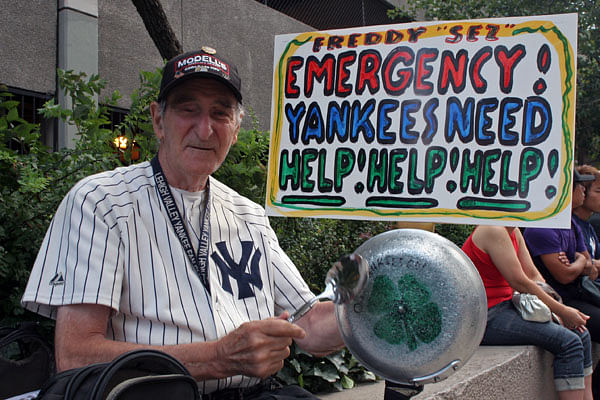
(158, 27)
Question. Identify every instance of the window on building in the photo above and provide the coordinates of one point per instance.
(29, 104)
(116, 116)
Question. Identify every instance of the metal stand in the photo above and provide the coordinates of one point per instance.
(399, 391)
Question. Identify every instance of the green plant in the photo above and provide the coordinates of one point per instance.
(315, 244)
(336, 371)
(457, 234)
(33, 179)
(137, 124)
(244, 169)
(21, 181)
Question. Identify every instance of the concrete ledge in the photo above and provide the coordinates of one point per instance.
(498, 373)
(493, 373)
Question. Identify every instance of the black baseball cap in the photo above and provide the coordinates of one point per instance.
(200, 63)
(580, 178)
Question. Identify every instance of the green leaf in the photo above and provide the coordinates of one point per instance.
(337, 359)
(13, 115)
(365, 376)
(296, 365)
(9, 104)
(287, 375)
(347, 382)
(326, 372)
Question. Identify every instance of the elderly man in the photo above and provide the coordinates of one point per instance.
(161, 255)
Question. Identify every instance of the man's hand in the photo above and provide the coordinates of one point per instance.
(562, 257)
(322, 332)
(593, 274)
(257, 348)
(589, 269)
(596, 266)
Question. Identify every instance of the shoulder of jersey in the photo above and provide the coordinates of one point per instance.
(233, 198)
(129, 178)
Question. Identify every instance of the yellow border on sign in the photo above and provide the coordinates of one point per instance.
(567, 70)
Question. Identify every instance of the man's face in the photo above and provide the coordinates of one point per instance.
(578, 194)
(592, 197)
(197, 128)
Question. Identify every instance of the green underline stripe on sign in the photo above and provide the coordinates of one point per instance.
(395, 202)
(314, 200)
(474, 203)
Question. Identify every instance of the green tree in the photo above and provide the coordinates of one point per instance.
(587, 145)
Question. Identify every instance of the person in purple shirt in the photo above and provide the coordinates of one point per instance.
(563, 259)
(583, 213)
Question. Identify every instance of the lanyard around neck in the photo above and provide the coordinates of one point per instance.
(199, 261)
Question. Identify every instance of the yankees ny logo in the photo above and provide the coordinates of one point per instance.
(230, 269)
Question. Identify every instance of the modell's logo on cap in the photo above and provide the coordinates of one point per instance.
(201, 61)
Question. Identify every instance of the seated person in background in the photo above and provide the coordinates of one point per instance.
(582, 214)
(595, 221)
(560, 255)
(501, 257)
(160, 255)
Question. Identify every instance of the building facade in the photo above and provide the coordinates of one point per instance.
(108, 37)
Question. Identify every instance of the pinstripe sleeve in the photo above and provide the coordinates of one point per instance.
(80, 258)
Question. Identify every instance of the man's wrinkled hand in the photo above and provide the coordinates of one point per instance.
(257, 348)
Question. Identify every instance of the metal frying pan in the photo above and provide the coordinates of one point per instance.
(423, 310)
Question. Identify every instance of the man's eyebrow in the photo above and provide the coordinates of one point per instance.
(225, 102)
(181, 99)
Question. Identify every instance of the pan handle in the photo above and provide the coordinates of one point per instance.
(439, 375)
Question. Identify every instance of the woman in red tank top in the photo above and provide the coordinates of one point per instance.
(504, 264)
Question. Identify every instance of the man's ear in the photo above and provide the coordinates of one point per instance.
(235, 136)
(237, 129)
(157, 121)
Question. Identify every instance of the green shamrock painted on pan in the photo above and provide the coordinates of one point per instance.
(408, 312)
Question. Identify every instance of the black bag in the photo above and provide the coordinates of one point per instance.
(590, 291)
(26, 360)
(139, 374)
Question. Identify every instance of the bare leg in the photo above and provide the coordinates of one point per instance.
(588, 395)
(571, 394)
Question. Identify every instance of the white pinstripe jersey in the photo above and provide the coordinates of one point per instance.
(111, 243)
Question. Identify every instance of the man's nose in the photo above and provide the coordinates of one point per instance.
(203, 125)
